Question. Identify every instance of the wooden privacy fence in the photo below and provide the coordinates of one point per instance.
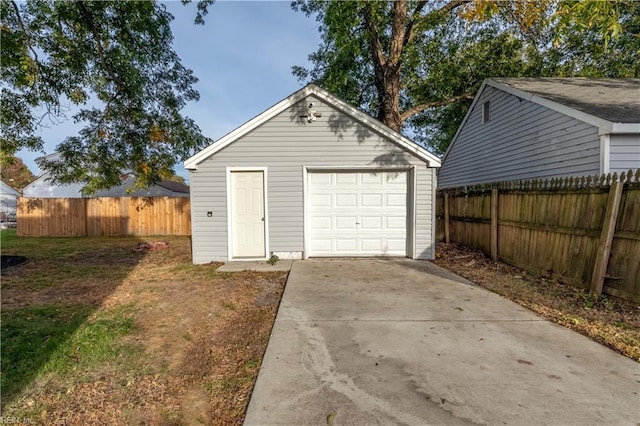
(586, 230)
(80, 217)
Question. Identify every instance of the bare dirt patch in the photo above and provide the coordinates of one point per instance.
(193, 353)
(609, 320)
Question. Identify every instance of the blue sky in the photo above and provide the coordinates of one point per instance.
(243, 57)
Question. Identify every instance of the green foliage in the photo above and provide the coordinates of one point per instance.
(113, 60)
(15, 173)
(273, 259)
(416, 65)
(594, 55)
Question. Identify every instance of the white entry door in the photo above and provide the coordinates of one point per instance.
(247, 214)
(357, 213)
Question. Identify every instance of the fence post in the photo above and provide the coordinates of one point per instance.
(494, 224)
(86, 217)
(446, 217)
(606, 238)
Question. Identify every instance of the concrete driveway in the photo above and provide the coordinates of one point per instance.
(367, 341)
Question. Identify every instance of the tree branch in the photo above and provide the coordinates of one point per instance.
(416, 17)
(87, 15)
(422, 107)
(24, 30)
(409, 33)
(374, 39)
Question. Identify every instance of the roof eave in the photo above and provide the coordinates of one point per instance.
(604, 126)
(625, 128)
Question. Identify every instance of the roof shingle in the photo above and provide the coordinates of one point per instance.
(614, 99)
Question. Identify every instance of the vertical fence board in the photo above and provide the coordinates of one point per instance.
(554, 228)
(75, 217)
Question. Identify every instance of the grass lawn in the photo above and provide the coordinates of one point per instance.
(96, 333)
(609, 320)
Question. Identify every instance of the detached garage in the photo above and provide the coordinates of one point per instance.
(312, 176)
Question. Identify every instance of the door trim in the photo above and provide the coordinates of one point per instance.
(411, 194)
(229, 213)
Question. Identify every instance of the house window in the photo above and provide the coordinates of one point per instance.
(485, 112)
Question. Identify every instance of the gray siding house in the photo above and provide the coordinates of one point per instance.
(310, 177)
(42, 187)
(523, 128)
(8, 197)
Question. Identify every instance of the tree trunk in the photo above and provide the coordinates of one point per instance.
(389, 108)
(387, 67)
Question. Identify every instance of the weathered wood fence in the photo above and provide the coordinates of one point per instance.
(586, 230)
(78, 217)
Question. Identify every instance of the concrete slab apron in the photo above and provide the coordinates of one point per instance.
(283, 265)
(368, 341)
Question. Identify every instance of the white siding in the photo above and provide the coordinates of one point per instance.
(521, 140)
(284, 145)
(624, 153)
(42, 188)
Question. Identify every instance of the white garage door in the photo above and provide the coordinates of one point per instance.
(357, 213)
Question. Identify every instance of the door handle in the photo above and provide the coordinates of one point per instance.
(262, 219)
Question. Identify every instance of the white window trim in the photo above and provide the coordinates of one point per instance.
(265, 209)
(410, 170)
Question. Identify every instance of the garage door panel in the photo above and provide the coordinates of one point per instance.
(396, 245)
(357, 213)
(372, 178)
(345, 178)
(346, 246)
(319, 245)
(396, 200)
(320, 178)
(320, 223)
(373, 223)
(344, 223)
(346, 200)
(371, 246)
(397, 178)
(321, 200)
(396, 222)
(371, 200)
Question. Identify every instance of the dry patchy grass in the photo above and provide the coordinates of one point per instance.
(609, 320)
(154, 339)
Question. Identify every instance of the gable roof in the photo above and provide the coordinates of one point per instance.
(6, 189)
(173, 186)
(311, 89)
(613, 99)
(127, 181)
(611, 104)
